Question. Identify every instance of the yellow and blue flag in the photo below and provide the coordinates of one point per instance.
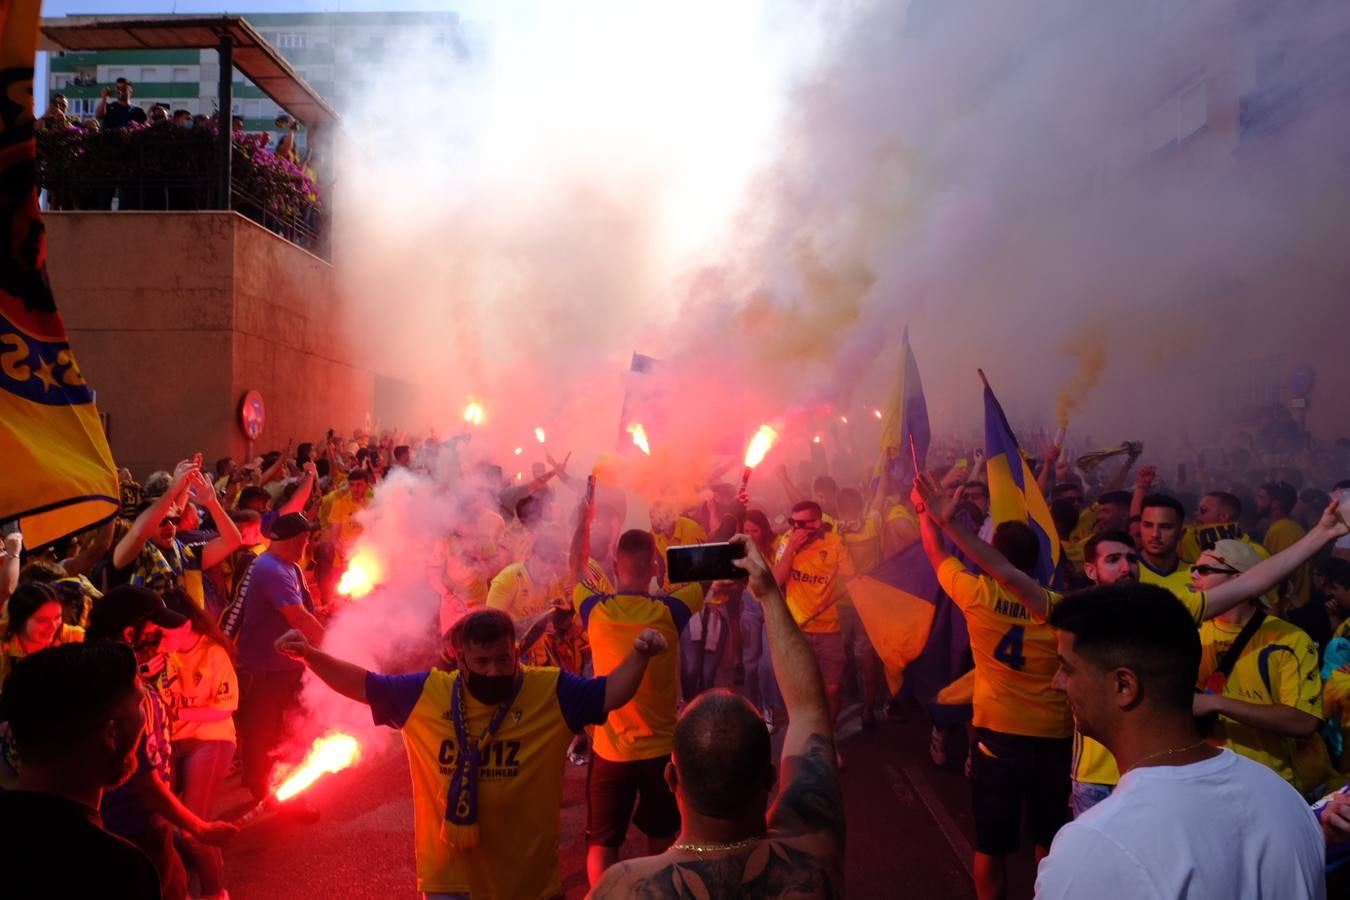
(1014, 495)
(59, 473)
(896, 601)
(906, 418)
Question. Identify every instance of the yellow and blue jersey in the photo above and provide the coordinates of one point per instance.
(1016, 657)
(520, 783)
(644, 727)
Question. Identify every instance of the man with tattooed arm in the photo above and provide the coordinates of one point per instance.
(731, 843)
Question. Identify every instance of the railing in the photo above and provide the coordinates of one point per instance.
(162, 167)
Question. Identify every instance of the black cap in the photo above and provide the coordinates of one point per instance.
(126, 605)
(290, 525)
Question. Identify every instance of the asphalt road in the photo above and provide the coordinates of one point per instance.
(909, 829)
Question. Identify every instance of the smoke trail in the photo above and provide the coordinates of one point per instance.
(1087, 345)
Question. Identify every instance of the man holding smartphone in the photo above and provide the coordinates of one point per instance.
(810, 564)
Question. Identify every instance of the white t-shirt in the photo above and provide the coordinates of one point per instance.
(1225, 828)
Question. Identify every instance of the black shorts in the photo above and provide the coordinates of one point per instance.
(1011, 774)
(611, 788)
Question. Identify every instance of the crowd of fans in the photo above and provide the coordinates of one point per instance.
(84, 169)
(1185, 669)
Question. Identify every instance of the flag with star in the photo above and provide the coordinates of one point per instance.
(58, 475)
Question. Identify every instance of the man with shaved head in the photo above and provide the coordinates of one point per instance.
(722, 773)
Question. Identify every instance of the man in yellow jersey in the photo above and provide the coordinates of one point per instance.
(633, 746)
(337, 517)
(1159, 535)
(673, 530)
(1273, 695)
(486, 822)
(1216, 519)
(810, 563)
(1020, 760)
(526, 589)
(1275, 501)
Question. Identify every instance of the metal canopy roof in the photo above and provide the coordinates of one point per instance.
(253, 56)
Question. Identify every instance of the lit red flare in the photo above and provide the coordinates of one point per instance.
(760, 445)
(539, 435)
(640, 437)
(331, 753)
(363, 573)
(473, 413)
(519, 450)
(877, 413)
(816, 439)
(844, 419)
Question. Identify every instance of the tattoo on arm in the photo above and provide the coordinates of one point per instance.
(811, 801)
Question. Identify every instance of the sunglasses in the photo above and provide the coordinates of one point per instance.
(798, 523)
(1213, 570)
(170, 520)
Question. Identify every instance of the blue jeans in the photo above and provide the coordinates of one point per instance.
(1083, 795)
(761, 687)
(201, 767)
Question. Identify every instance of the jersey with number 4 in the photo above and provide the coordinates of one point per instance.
(1015, 658)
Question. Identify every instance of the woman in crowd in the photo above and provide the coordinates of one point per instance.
(761, 688)
(206, 694)
(35, 623)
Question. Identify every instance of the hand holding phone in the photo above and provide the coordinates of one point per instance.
(704, 562)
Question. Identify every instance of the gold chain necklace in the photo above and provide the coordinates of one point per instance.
(718, 848)
(1166, 753)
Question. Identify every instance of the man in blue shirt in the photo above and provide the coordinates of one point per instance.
(274, 600)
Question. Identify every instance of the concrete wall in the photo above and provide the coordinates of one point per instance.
(173, 316)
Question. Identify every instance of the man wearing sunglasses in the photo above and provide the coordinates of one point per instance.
(161, 559)
(808, 563)
(1272, 697)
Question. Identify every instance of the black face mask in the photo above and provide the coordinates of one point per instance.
(490, 689)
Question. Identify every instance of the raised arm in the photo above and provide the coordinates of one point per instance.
(230, 539)
(273, 472)
(1142, 485)
(346, 678)
(303, 489)
(1047, 477)
(1269, 572)
(622, 683)
(1117, 481)
(580, 552)
(937, 514)
(793, 494)
(10, 554)
(799, 679)
(129, 547)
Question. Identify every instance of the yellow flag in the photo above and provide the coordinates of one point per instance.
(58, 476)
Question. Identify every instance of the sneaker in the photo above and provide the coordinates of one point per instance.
(937, 747)
(768, 721)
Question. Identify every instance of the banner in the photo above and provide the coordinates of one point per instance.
(59, 477)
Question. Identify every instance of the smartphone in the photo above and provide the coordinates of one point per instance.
(704, 562)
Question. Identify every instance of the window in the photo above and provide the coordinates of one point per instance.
(291, 40)
(182, 73)
(151, 73)
(114, 74)
(1179, 116)
(62, 81)
(252, 109)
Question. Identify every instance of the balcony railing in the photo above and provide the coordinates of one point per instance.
(162, 167)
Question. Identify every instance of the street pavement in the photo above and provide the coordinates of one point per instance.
(909, 828)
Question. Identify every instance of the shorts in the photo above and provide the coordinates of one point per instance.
(611, 788)
(829, 651)
(1013, 776)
